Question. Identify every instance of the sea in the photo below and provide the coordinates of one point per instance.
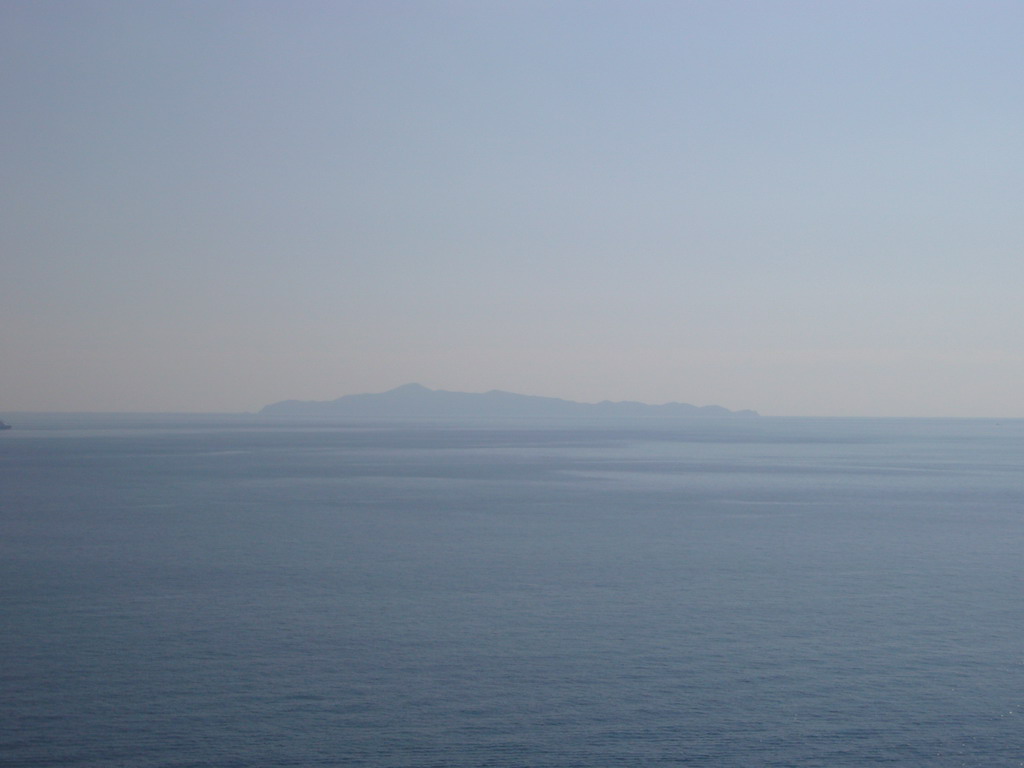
(187, 591)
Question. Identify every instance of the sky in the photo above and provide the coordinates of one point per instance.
(802, 208)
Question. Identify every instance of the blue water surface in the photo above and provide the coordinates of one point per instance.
(231, 591)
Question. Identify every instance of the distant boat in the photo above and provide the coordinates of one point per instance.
(4, 425)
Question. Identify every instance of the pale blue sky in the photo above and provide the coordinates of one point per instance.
(804, 208)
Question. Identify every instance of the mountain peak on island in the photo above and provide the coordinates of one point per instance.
(415, 401)
(410, 388)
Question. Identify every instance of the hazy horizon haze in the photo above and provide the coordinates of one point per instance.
(797, 208)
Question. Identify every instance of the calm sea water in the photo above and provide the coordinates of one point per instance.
(768, 592)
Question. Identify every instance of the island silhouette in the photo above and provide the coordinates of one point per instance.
(414, 401)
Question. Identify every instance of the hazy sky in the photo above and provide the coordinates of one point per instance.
(805, 208)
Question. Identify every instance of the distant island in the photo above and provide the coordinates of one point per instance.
(414, 401)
